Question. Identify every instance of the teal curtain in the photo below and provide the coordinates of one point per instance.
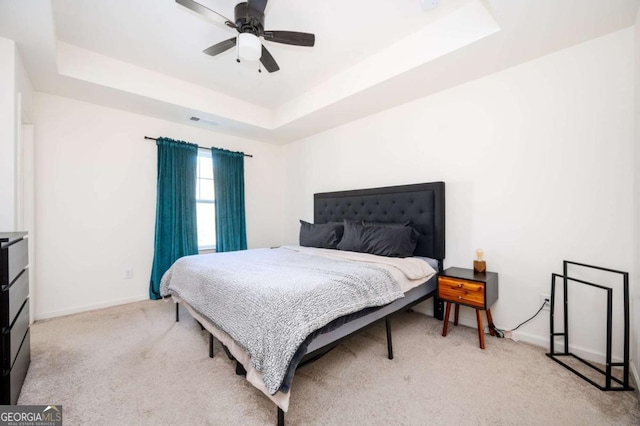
(176, 221)
(228, 181)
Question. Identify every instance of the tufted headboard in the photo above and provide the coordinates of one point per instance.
(422, 204)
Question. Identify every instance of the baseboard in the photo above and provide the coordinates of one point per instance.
(85, 308)
(590, 355)
(534, 339)
(636, 377)
(582, 352)
(425, 308)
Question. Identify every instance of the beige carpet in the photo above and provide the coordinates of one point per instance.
(133, 365)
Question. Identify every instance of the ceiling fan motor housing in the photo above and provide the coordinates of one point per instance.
(247, 20)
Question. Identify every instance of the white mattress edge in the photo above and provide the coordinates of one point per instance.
(254, 377)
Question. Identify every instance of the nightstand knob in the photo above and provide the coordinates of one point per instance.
(459, 297)
(459, 285)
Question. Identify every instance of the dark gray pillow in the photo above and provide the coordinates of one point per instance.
(352, 237)
(392, 240)
(389, 241)
(325, 235)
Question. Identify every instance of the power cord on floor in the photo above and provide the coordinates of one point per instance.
(500, 333)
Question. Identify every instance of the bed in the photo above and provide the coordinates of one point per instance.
(421, 206)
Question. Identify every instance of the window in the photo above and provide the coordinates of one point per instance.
(205, 202)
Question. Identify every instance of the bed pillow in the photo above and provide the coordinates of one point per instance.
(414, 236)
(382, 240)
(397, 241)
(325, 235)
(387, 224)
(352, 236)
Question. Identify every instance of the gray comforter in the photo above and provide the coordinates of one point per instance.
(270, 300)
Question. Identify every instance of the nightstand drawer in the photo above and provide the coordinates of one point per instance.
(461, 291)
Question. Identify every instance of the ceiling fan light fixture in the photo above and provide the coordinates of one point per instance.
(249, 47)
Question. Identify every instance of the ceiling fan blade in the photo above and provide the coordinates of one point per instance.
(290, 37)
(268, 61)
(205, 11)
(256, 7)
(223, 46)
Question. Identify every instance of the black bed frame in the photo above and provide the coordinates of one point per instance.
(421, 204)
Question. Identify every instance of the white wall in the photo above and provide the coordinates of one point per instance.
(96, 193)
(23, 161)
(16, 178)
(7, 134)
(15, 108)
(538, 165)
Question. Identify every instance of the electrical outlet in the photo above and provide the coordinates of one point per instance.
(128, 273)
(546, 299)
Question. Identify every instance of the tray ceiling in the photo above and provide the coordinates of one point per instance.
(146, 55)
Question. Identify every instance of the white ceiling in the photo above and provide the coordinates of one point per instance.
(146, 55)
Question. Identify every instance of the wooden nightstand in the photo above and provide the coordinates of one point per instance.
(465, 287)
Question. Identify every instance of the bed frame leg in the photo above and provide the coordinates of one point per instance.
(389, 342)
(280, 417)
(240, 371)
(210, 345)
(438, 308)
(177, 312)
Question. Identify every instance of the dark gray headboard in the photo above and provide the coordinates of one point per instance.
(422, 204)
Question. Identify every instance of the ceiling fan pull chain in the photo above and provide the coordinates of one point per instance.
(259, 66)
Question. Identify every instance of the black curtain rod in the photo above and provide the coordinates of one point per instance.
(202, 147)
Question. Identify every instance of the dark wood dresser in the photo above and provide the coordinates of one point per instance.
(14, 314)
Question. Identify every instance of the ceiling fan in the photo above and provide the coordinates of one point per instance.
(249, 22)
